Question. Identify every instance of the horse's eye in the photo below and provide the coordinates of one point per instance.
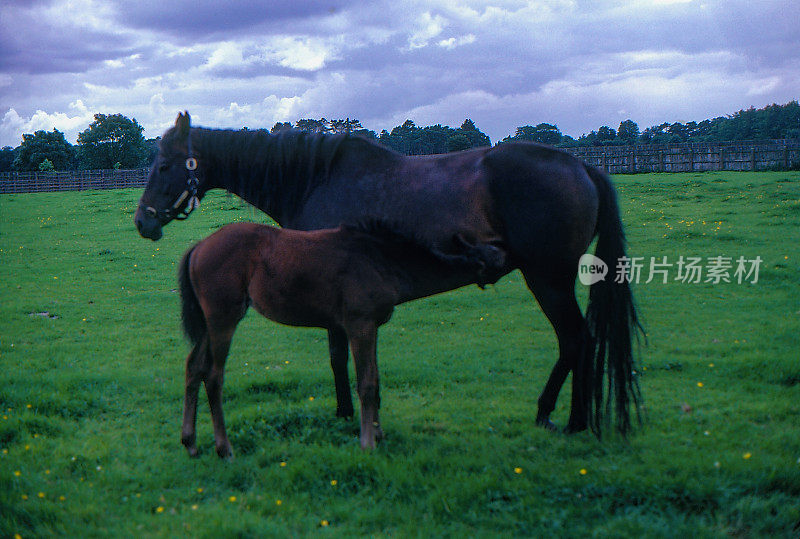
(163, 167)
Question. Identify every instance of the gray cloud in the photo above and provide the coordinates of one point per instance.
(579, 64)
(35, 40)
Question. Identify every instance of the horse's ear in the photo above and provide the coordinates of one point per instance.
(183, 123)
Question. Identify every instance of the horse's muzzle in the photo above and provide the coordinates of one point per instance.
(148, 226)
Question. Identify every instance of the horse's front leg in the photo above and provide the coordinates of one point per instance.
(337, 343)
(197, 366)
(363, 342)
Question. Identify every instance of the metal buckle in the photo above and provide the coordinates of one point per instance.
(191, 163)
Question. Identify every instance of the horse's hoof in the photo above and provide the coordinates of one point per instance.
(345, 414)
(546, 424)
(193, 452)
(574, 429)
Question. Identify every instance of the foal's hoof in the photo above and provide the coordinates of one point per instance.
(370, 440)
(225, 452)
(193, 452)
(367, 443)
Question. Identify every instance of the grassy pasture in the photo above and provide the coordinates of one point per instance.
(91, 376)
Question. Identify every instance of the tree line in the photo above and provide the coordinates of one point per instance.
(114, 141)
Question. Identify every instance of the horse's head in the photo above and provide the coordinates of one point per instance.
(173, 188)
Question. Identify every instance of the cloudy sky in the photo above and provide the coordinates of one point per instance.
(504, 63)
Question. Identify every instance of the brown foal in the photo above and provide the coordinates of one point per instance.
(348, 278)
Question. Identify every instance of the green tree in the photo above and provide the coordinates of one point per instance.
(112, 139)
(477, 139)
(458, 142)
(542, 133)
(628, 132)
(281, 126)
(606, 135)
(402, 138)
(41, 145)
(46, 166)
(6, 158)
(313, 126)
(345, 126)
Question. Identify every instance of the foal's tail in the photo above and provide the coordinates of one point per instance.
(612, 319)
(194, 323)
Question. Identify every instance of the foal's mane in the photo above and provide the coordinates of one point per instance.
(485, 260)
(392, 235)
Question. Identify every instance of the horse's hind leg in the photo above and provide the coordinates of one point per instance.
(363, 341)
(219, 345)
(556, 297)
(338, 347)
(197, 367)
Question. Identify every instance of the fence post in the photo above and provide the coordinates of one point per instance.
(753, 159)
(785, 155)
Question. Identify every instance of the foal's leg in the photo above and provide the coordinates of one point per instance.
(337, 341)
(219, 344)
(197, 367)
(556, 297)
(363, 342)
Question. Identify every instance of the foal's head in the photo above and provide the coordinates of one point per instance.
(173, 187)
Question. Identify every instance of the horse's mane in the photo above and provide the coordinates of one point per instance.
(485, 260)
(284, 166)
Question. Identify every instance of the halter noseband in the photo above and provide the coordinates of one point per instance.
(190, 192)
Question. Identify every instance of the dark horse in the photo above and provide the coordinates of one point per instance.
(346, 279)
(539, 205)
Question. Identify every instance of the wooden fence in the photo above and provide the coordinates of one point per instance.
(74, 180)
(693, 157)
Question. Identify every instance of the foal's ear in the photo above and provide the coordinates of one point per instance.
(183, 123)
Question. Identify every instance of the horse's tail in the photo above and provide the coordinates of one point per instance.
(194, 323)
(612, 319)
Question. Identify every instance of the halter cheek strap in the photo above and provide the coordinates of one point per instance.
(190, 192)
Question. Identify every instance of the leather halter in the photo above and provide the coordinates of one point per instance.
(178, 210)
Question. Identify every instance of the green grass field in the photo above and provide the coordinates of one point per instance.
(91, 376)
